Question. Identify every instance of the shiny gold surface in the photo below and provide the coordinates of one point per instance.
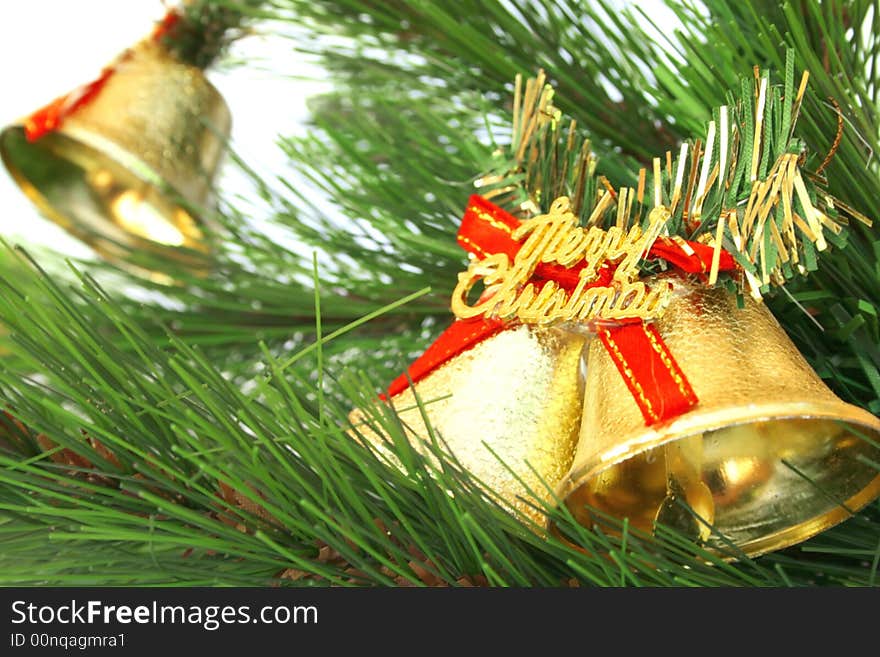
(516, 393)
(129, 170)
(776, 450)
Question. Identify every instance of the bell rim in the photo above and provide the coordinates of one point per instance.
(854, 416)
(813, 526)
(142, 171)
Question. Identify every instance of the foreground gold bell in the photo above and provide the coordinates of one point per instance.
(128, 170)
(768, 457)
(515, 394)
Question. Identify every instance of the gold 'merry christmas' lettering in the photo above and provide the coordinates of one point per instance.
(556, 238)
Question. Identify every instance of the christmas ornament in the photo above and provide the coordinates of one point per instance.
(489, 407)
(126, 162)
(698, 411)
(766, 457)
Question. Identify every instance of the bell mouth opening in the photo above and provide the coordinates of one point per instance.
(760, 484)
(116, 205)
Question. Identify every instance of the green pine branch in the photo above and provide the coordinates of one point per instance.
(206, 28)
(180, 476)
(197, 432)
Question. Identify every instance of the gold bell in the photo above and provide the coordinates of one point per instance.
(516, 394)
(767, 458)
(128, 171)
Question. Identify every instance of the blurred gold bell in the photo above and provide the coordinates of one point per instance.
(767, 458)
(128, 169)
(516, 394)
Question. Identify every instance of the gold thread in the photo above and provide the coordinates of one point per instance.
(473, 245)
(492, 221)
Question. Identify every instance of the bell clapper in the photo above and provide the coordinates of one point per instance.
(684, 461)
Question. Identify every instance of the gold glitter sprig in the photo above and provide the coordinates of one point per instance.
(741, 187)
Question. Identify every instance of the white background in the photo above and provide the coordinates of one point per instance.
(48, 47)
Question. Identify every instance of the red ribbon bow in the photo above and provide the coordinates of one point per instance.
(651, 373)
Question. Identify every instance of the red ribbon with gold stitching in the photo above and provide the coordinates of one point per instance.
(653, 377)
(651, 373)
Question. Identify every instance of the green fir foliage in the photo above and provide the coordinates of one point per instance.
(197, 434)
